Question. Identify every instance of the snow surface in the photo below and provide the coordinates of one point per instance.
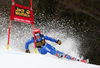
(22, 60)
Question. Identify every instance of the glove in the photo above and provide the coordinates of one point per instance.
(59, 42)
(27, 51)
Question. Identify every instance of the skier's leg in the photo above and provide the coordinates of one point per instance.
(69, 57)
(60, 52)
(42, 51)
(53, 48)
(46, 49)
(50, 47)
(55, 52)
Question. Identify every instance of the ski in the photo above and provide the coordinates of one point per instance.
(85, 61)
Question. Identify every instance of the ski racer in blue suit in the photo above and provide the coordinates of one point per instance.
(43, 47)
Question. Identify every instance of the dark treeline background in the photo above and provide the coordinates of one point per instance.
(83, 15)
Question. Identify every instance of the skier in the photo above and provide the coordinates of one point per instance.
(43, 47)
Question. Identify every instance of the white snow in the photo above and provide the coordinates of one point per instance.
(23, 60)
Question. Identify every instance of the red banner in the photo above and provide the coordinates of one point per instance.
(21, 13)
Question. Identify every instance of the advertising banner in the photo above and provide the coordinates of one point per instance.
(21, 13)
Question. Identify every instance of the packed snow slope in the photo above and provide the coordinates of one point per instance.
(23, 60)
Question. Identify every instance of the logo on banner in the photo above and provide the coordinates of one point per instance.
(22, 12)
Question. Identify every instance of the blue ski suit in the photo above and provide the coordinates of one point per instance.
(43, 47)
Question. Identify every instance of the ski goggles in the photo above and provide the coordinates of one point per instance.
(37, 34)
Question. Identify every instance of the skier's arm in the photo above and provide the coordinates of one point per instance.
(29, 42)
(49, 38)
(52, 39)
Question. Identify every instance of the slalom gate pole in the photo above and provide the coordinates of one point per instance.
(9, 32)
(34, 41)
(12, 0)
(9, 35)
(33, 30)
(31, 3)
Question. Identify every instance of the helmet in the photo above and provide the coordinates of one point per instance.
(36, 31)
